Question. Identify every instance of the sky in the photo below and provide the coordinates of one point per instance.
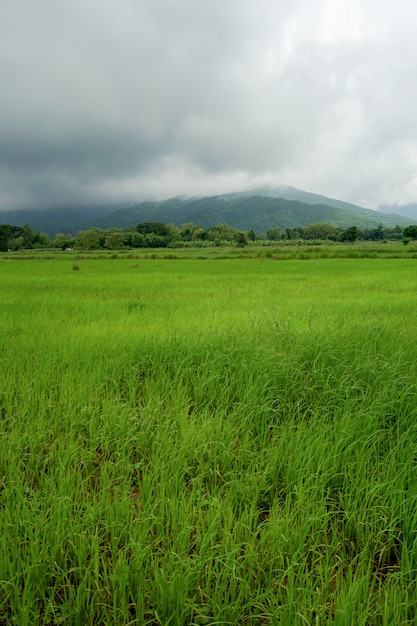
(105, 101)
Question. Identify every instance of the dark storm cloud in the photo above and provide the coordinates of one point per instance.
(105, 101)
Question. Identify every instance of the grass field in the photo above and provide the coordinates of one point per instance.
(228, 441)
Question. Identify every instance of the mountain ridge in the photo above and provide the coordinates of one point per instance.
(258, 209)
(250, 210)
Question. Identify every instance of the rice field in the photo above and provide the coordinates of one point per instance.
(203, 442)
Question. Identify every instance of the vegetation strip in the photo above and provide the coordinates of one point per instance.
(190, 235)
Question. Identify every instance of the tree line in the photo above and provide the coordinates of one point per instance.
(159, 235)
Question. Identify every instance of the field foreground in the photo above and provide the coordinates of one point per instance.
(208, 442)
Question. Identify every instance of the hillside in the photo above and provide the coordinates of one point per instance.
(57, 220)
(406, 210)
(245, 212)
(257, 209)
(292, 193)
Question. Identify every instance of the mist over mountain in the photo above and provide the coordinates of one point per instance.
(407, 210)
(258, 209)
(61, 219)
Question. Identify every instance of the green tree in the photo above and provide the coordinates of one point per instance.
(273, 233)
(350, 234)
(173, 232)
(393, 234)
(155, 228)
(63, 241)
(321, 230)
(241, 239)
(410, 231)
(91, 239)
(27, 234)
(187, 231)
(16, 243)
(41, 240)
(156, 241)
(133, 239)
(199, 234)
(114, 240)
(222, 232)
(7, 234)
(157, 234)
(377, 234)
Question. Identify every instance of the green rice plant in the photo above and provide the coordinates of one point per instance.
(190, 442)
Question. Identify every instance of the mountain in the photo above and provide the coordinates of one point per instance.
(58, 220)
(406, 210)
(292, 193)
(257, 209)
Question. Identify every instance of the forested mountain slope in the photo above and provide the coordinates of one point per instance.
(256, 209)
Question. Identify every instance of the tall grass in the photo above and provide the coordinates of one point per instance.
(280, 250)
(198, 443)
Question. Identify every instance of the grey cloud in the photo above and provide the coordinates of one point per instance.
(105, 100)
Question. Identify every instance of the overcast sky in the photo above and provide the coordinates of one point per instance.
(121, 101)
